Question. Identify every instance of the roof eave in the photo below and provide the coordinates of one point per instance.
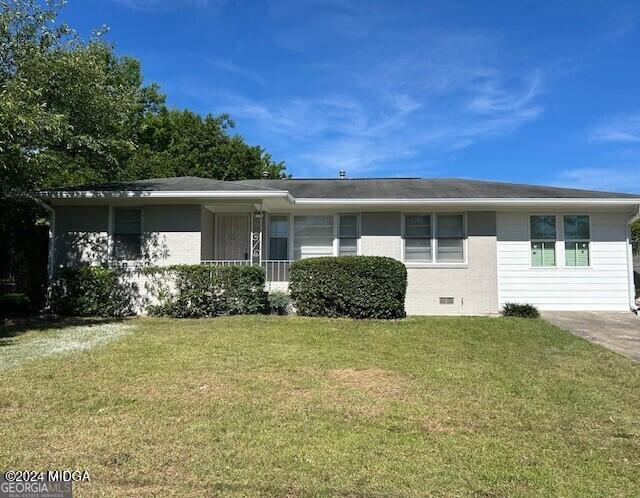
(619, 201)
(159, 194)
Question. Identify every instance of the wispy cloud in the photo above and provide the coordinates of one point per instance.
(622, 128)
(615, 179)
(365, 129)
(233, 68)
(379, 89)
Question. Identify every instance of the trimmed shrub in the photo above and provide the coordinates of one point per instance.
(520, 310)
(91, 291)
(349, 286)
(206, 291)
(15, 304)
(279, 302)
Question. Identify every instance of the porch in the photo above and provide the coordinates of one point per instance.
(231, 236)
(276, 271)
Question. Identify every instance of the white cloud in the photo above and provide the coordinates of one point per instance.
(233, 68)
(378, 93)
(614, 179)
(622, 128)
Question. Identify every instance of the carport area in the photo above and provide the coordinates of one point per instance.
(618, 331)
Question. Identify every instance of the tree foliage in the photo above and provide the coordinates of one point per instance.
(180, 142)
(72, 111)
(635, 237)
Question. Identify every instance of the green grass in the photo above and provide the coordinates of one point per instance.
(278, 406)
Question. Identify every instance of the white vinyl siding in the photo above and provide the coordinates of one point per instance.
(601, 286)
(312, 236)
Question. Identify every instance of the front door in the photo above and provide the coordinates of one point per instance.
(232, 237)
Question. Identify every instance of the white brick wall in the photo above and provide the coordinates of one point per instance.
(172, 234)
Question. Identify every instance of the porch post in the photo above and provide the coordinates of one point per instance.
(256, 237)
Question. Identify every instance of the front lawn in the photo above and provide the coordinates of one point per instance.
(279, 406)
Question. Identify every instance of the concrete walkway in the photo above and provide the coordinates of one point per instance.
(618, 331)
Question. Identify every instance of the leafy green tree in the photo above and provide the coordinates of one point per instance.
(180, 142)
(73, 112)
(635, 237)
(69, 110)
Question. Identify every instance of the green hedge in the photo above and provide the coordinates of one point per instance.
(349, 286)
(92, 291)
(205, 291)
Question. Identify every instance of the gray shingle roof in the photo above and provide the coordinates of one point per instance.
(179, 183)
(365, 188)
(421, 188)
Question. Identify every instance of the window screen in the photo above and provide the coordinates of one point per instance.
(348, 235)
(417, 238)
(577, 240)
(127, 234)
(543, 240)
(312, 236)
(450, 234)
(279, 237)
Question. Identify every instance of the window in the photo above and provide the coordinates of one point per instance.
(127, 234)
(279, 237)
(348, 235)
(543, 240)
(312, 236)
(450, 238)
(576, 240)
(417, 238)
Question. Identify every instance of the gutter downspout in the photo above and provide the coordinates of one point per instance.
(632, 294)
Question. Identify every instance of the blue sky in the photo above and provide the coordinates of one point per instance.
(535, 92)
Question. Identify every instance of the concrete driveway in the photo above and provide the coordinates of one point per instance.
(618, 331)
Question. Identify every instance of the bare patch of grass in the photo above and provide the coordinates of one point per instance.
(376, 382)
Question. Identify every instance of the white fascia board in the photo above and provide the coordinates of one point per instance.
(470, 200)
(176, 194)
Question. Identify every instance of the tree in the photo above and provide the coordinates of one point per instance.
(73, 112)
(635, 237)
(180, 142)
(68, 110)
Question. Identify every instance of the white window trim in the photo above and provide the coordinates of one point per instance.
(334, 242)
(434, 263)
(110, 244)
(557, 246)
(335, 245)
(564, 239)
(337, 233)
(561, 263)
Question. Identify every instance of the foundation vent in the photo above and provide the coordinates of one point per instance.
(446, 300)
